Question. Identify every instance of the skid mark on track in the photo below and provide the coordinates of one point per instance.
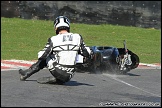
(114, 77)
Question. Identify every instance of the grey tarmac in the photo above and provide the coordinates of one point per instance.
(140, 87)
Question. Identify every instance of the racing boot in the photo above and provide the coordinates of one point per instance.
(24, 74)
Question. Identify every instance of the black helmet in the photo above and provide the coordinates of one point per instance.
(62, 23)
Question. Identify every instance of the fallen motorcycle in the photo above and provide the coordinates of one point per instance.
(108, 59)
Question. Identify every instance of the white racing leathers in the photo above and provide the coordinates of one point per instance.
(60, 54)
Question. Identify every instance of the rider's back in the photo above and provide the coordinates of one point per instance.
(66, 47)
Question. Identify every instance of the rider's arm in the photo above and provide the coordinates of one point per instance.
(46, 51)
(83, 49)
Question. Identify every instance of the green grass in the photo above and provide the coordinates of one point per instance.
(22, 39)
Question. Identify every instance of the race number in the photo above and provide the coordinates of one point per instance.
(67, 38)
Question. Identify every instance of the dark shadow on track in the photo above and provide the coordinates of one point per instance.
(30, 80)
(70, 83)
(130, 74)
(75, 83)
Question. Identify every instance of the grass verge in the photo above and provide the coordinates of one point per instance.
(22, 39)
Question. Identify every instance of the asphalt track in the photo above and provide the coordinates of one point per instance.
(140, 87)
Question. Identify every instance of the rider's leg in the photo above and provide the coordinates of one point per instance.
(60, 74)
(51, 79)
(24, 74)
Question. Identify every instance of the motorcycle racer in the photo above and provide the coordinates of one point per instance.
(59, 54)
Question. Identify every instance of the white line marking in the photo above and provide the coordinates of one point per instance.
(114, 77)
